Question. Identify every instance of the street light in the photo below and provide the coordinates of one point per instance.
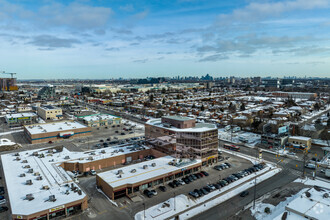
(174, 202)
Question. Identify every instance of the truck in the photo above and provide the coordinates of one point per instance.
(236, 129)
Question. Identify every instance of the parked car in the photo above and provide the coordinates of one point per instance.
(162, 188)
(148, 193)
(181, 182)
(186, 180)
(190, 178)
(310, 166)
(211, 187)
(176, 183)
(3, 208)
(205, 192)
(199, 192)
(92, 172)
(218, 167)
(228, 164)
(2, 197)
(2, 190)
(244, 193)
(205, 173)
(154, 192)
(193, 194)
(217, 186)
(171, 184)
(193, 176)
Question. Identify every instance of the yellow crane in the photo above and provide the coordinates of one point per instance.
(12, 74)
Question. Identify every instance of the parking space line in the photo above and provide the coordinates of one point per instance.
(102, 212)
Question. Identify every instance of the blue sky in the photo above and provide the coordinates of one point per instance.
(111, 39)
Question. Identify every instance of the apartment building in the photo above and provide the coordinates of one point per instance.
(49, 112)
(191, 139)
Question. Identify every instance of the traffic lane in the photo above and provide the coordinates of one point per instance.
(230, 207)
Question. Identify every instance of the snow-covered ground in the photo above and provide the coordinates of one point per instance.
(251, 138)
(190, 207)
(10, 132)
(318, 208)
(6, 142)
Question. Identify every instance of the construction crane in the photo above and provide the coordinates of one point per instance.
(12, 74)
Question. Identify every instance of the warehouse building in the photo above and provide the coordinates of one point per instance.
(42, 133)
(49, 112)
(38, 188)
(20, 119)
(126, 181)
(100, 120)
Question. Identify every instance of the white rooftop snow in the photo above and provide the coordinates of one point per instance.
(54, 127)
(18, 115)
(161, 167)
(52, 175)
(199, 127)
(99, 117)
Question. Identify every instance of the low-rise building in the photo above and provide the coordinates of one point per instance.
(273, 140)
(20, 119)
(49, 112)
(299, 140)
(126, 181)
(54, 131)
(100, 120)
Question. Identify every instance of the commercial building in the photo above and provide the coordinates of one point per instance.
(100, 120)
(299, 140)
(128, 180)
(42, 133)
(38, 188)
(47, 92)
(271, 83)
(20, 119)
(8, 84)
(192, 140)
(49, 112)
(295, 95)
(273, 140)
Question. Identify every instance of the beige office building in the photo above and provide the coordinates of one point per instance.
(49, 112)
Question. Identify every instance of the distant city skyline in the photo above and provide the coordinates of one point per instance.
(87, 39)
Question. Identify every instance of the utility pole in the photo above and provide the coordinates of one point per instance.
(174, 202)
(305, 155)
(144, 211)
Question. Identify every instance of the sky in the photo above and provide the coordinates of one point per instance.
(102, 39)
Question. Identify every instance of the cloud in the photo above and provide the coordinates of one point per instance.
(122, 31)
(141, 15)
(134, 44)
(214, 58)
(50, 42)
(74, 15)
(256, 11)
(112, 49)
(140, 61)
(127, 8)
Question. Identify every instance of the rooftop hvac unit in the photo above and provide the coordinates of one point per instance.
(37, 174)
(92, 153)
(60, 128)
(27, 166)
(16, 154)
(133, 171)
(145, 166)
(30, 170)
(67, 157)
(22, 175)
(120, 172)
(81, 158)
(17, 158)
(90, 158)
(29, 197)
(52, 198)
(35, 153)
(121, 150)
(24, 161)
(28, 182)
(119, 176)
(103, 151)
(50, 150)
(79, 192)
(45, 187)
(67, 192)
(44, 130)
(153, 164)
(39, 178)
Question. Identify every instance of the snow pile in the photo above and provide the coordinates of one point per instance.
(6, 142)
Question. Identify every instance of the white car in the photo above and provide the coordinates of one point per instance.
(92, 172)
(310, 166)
(181, 182)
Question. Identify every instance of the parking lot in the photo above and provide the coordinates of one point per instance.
(99, 204)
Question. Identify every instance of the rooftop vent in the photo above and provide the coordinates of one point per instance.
(145, 166)
(90, 158)
(133, 171)
(45, 187)
(35, 153)
(103, 151)
(52, 198)
(17, 158)
(92, 153)
(28, 182)
(30, 170)
(39, 178)
(153, 164)
(24, 161)
(37, 174)
(16, 154)
(50, 150)
(27, 166)
(67, 192)
(22, 175)
(120, 172)
(79, 192)
(67, 157)
(29, 197)
(119, 176)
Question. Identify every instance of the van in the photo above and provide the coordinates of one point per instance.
(236, 129)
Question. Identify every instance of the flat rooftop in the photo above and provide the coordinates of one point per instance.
(98, 117)
(53, 176)
(179, 118)
(301, 138)
(53, 127)
(155, 168)
(49, 107)
(199, 127)
(19, 115)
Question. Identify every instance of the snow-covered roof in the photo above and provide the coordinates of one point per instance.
(53, 127)
(199, 127)
(161, 167)
(52, 176)
(19, 115)
(300, 138)
(98, 117)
